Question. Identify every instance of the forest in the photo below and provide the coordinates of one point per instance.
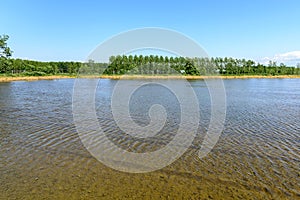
(152, 65)
(140, 64)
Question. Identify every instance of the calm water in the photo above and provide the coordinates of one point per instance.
(256, 157)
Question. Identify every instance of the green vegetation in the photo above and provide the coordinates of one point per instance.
(140, 65)
(21, 67)
(194, 66)
(5, 54)
(145, 65)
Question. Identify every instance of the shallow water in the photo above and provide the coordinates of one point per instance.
(256, 157)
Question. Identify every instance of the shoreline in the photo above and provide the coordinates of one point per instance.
(189, 77)
(128, 77)
(32, 78)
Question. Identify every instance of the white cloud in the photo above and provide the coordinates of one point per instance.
(289, 58)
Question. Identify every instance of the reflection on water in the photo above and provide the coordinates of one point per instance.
(257, 156)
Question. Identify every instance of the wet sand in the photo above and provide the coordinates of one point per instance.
(93, 180)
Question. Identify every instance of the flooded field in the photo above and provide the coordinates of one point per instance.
(256, 157)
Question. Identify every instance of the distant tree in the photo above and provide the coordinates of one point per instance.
(112, 59)
(5, 51)
(190, 69)
(272, 63)
(282, 69)
(5, 54)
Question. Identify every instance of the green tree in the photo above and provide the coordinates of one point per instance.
(5, 51)
(5, 54)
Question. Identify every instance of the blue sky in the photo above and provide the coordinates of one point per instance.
(69, 30)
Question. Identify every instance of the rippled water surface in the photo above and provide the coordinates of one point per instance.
(256, 157)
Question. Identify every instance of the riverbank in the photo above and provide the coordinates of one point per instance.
(32, 78)
(35, 78)
(189, 77)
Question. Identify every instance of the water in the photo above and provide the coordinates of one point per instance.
(256, 157)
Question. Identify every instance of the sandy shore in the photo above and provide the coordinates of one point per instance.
(35, 78)
(192, 77)
(31, 78)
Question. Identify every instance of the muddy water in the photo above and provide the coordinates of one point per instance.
(256, 157)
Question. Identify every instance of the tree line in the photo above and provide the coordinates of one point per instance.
(140, 64)
(154, 64)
